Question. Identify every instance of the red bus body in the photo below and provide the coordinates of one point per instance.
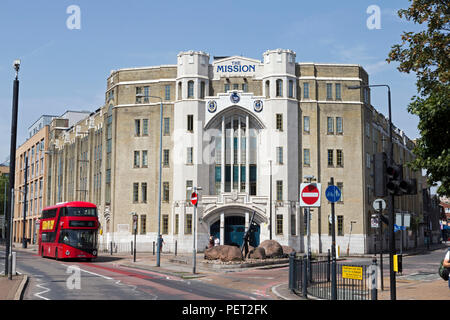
(69, 230)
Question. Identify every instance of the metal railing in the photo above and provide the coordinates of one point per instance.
(128, 247)
(314, 279)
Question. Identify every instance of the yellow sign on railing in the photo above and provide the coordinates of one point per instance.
(351, 272)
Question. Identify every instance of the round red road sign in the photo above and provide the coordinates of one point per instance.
(194, 198)
(310, 194)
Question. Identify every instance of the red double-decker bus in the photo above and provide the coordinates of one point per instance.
(69, 230)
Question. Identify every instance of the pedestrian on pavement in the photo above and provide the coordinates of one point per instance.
(216, 242)
(446, 263)
(211, 242)
(161, 241)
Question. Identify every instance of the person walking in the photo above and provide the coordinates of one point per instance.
(446, 263)
(211, 242)
(216, 242)
(161, 242)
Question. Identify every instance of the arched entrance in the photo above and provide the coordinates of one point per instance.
(235, 231)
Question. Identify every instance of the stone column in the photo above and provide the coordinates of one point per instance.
(222, 228)
(247, 218)
(247, 154)
(222, 165)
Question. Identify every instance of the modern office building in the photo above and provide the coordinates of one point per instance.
(247, 132)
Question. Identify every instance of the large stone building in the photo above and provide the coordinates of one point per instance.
(231, 125)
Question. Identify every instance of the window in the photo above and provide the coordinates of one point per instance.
(136, 159)
(144, 159)
(279, 88)
(166, 157)
(279, 225)
(330, 158)
(306, 90)
(368, 160)
(235, 86)
(167, 92)
(188, 225)
(339, 125)
(202, 90)
(135, 192)
(145, 127)
(142, 94)
(340, 185)
(190, 89)
(189, 184)
(291, 89)
(338, 91)
(267, 86)
(166, 126)
(190, 122)
(245, 87)
(279, 121)
(166, 191)
(329, 91)
(279, 155)
(227, 87)
(330, 125)
(279, 190)
(306, 128)
(190, 154)
(293, 225)
(144, 192)
(137, 127)
(340, 225)
(306, 157)
(165, 224)
(143, 224)
(339, 158)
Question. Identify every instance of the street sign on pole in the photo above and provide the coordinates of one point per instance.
(310, 194)
(333, 193)
(194, 198)
(376, 205)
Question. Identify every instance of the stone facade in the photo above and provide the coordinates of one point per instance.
(230, 126)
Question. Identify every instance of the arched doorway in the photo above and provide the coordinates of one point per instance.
(235, 231)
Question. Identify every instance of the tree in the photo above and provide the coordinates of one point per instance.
(427, 53)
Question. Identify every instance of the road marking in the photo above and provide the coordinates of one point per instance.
(42, 287)
(93, 273)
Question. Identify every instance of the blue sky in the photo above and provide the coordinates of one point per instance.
(67, 69)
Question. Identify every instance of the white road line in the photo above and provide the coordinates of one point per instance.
(93, 273)
(42, 287)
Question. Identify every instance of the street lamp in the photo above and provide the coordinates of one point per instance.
(391, 207)
(12, 168)
(158, 251)
(135, 219)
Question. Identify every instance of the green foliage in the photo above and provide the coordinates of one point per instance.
(427, 53)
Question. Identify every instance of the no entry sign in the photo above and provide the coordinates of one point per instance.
(310, 194)
(194, 198)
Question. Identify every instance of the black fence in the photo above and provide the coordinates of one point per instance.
(314, 278)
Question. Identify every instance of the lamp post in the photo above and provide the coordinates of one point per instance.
(391, 205)
(135, 220)
(270, 202)
(194, 233)
(12, 167)
(158, 251)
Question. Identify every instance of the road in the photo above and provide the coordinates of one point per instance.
(105, 280)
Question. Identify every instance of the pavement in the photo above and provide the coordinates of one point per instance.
(181, 266)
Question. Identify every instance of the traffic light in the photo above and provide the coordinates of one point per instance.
(395, 176)
(379, 177)
(408, 186)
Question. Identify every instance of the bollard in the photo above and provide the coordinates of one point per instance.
(328, 265)
(373, 280)
(292, 273)
(131, 246)
(176, 247)
(13, 264)
(153, 247)
(111, 244)
(305, 276)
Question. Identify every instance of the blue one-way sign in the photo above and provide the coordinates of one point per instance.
(333, 193)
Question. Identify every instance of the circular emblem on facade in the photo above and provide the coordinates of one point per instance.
(212, 106)
(235, 97)
(258, 105)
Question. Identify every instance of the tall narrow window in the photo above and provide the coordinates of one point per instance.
(279, 88)
(137, 162)
(190, 155)
(245, 87)
(339, 125)
(227, 87)
(279, 120)
(279, 190)
(306, 124)
(279, 228)
(330, 125)
(166, 157)
(144, 159)
(165, 191)
(144, 192)
(338, 91)
(190, 89)
(165, 224)
(202, 90)
(137, 127)
(279, 155)
(145, 127)
(267, 89)
(177, 223)
(190, 122)
(167, 92)
(166, 126)
(339, 158)
(306, 158)
(143, 224)
(329, 91)
(306, 90)
(291, 89)
(340, 225)
(330, 158)
(188, 224)
(340, 185)
(135, 192)
(189, 191)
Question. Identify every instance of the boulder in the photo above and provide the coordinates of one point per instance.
(272, 248)
(287, 250)
(225, 253)
(257, 253)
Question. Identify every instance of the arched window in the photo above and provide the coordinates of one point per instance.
(279, 88)
(267, 89)
(190, 89)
